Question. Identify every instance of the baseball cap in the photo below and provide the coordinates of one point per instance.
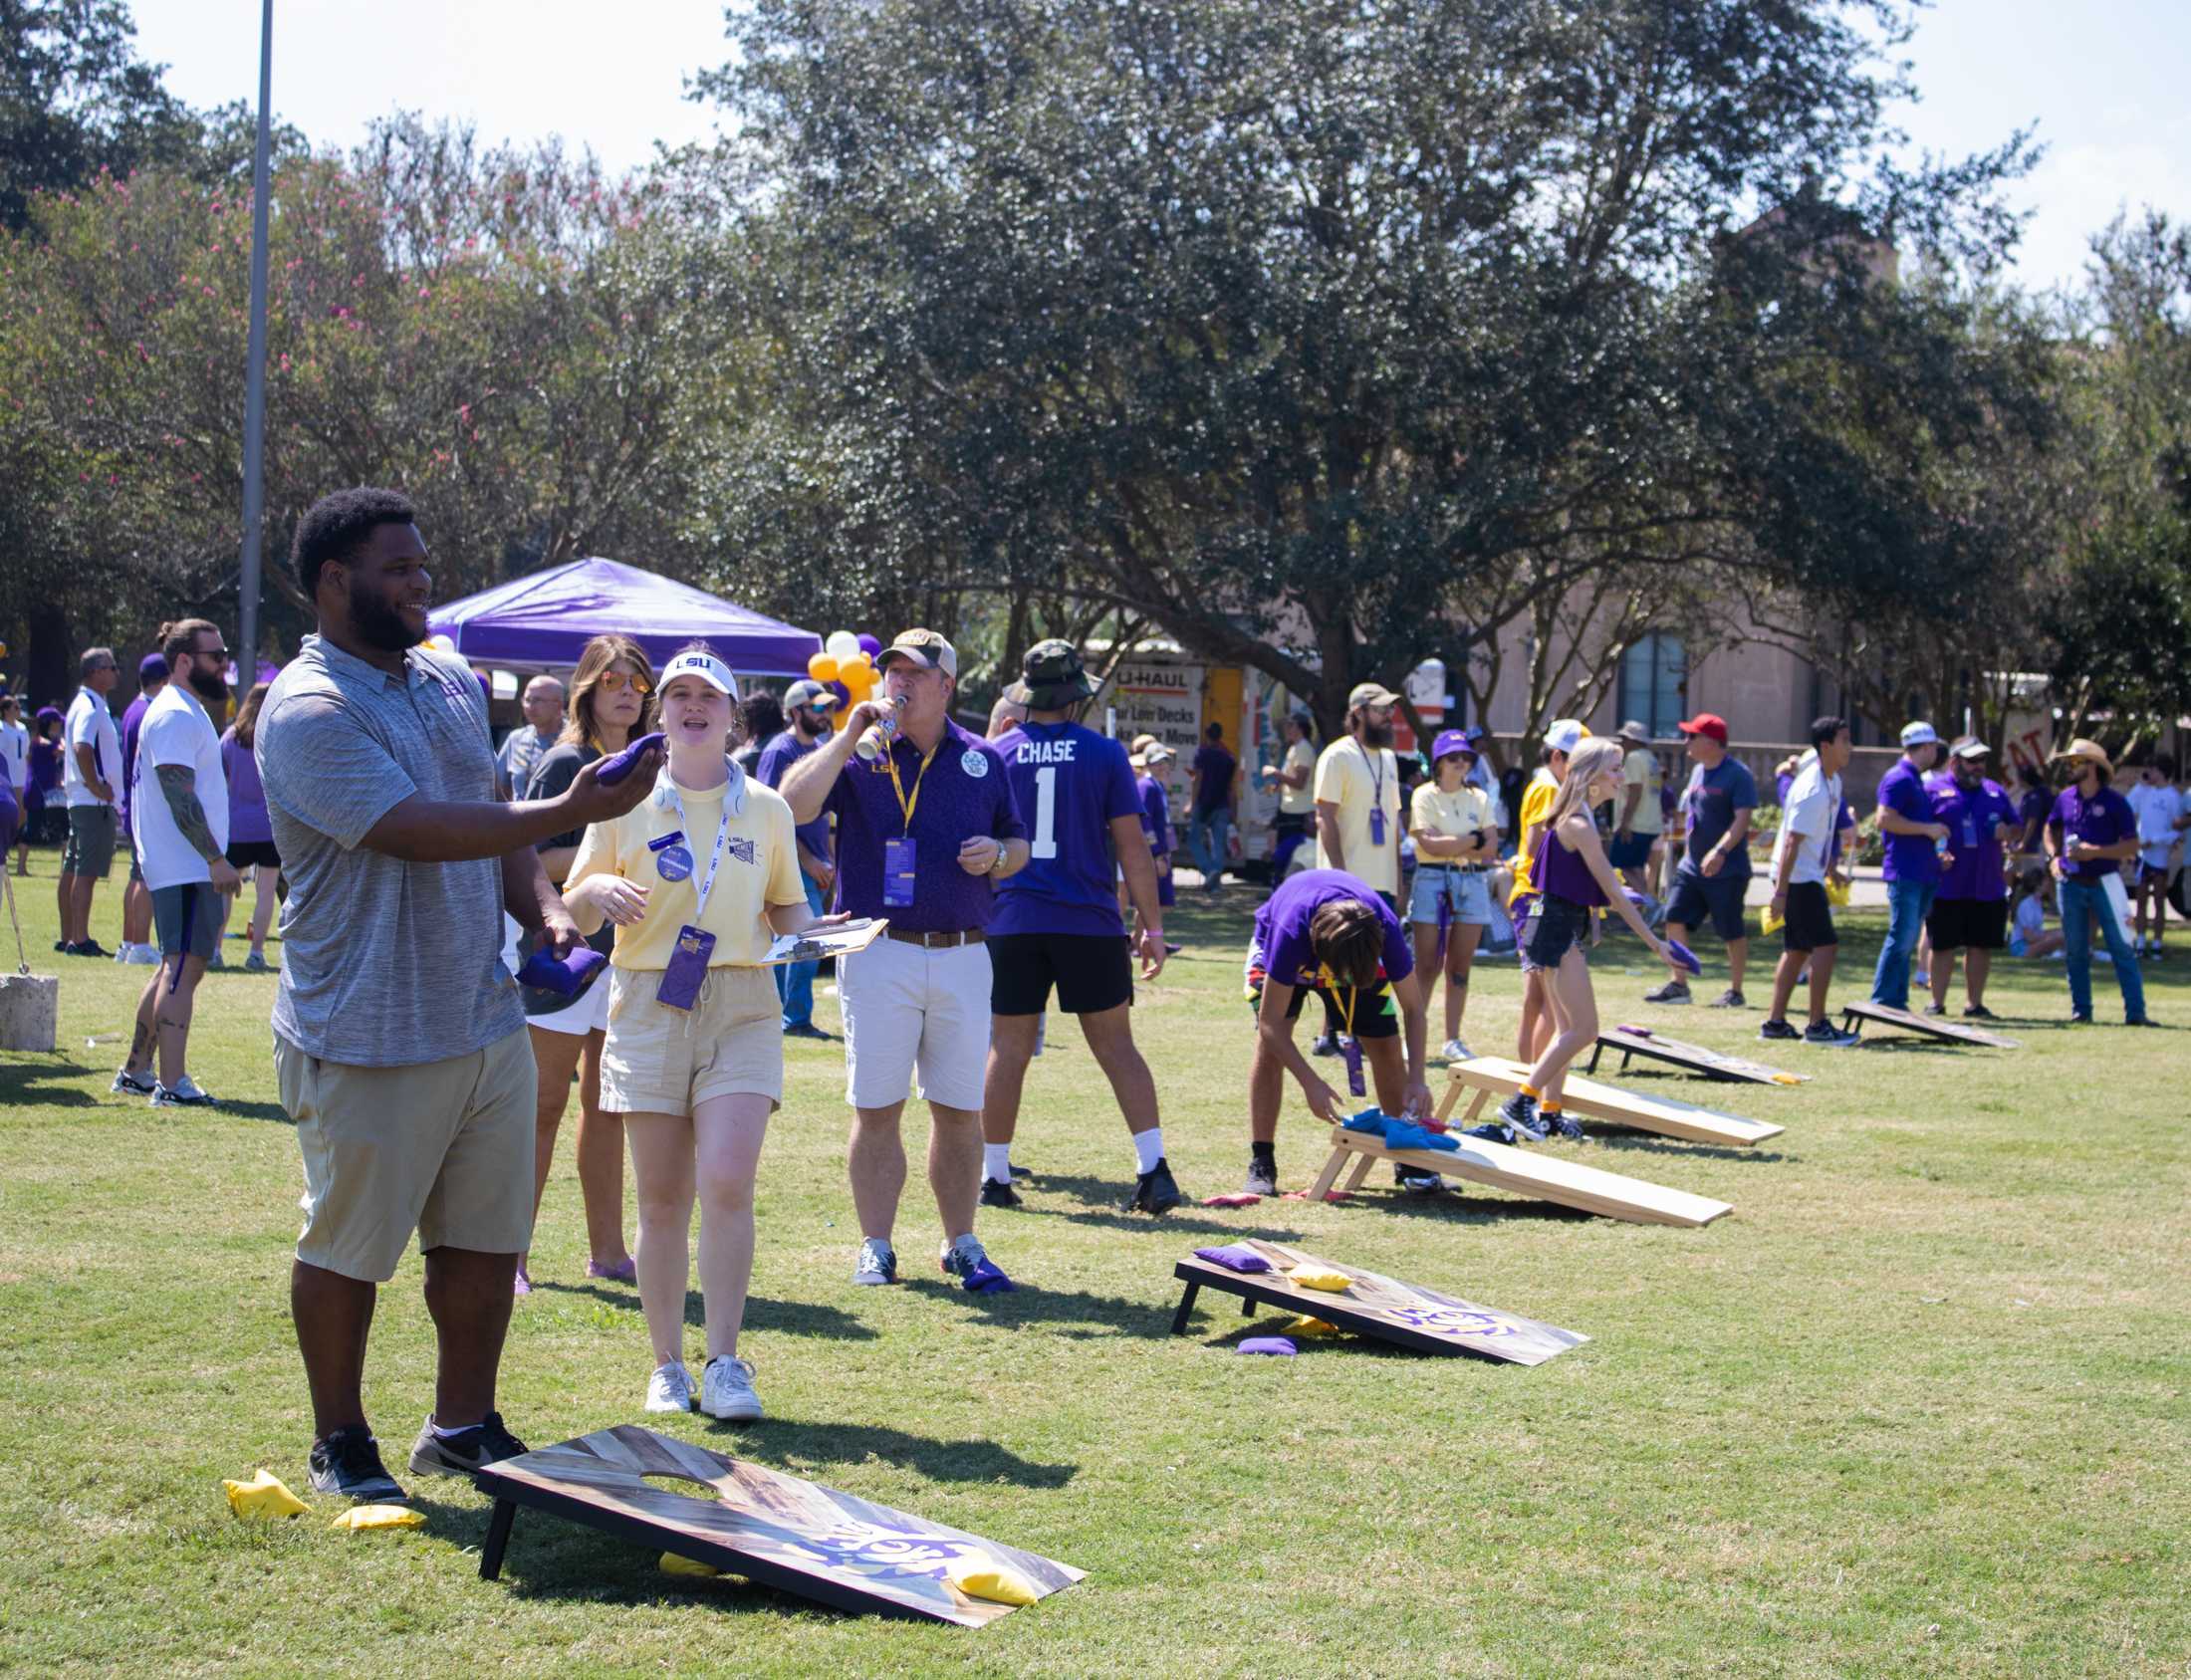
(1370, 694)
(1053, 676)
(925, 649)
(1918, 734)
(1564, 734)
(1149, 750)
(1969, 746)
(706, 668)
(1706, 723)
(807, 692)
(1634, 731)
(153, 668)
(1451, 741)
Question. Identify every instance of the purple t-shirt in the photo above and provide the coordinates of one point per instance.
(1281, 926)
(964, 793)
(1909, 857)
(1972, 816)
(1155, 814)
(1068, 782)
(248, 822)
(782, 751)
(2104, 819)
(1213, 777)
(132, 725)
(2033, 808)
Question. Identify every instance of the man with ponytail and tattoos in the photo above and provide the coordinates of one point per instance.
(1332, 933)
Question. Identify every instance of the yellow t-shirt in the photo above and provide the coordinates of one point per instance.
(1433, 810)
(1350, 776)
(1299, 802)
(1640, 769)
(1536, 806)
(760, 869)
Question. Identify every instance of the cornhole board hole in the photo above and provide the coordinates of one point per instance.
(1692, 1059)
(1932, 1026)
(1492, 1076)
(1544, 1178)
(793, 1534)
(1386, 1307)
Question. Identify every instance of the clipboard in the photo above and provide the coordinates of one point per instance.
(844, 940)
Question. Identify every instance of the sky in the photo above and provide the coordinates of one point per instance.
(2101, 79)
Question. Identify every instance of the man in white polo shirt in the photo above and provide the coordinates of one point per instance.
(90, 768)
(180, 810)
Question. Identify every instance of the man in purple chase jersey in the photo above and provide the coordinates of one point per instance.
(924, 830)
(1057, 921)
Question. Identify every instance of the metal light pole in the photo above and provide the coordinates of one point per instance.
(254, 398)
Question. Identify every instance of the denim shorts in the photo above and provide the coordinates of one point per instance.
(1466, 891)
(1559, 925)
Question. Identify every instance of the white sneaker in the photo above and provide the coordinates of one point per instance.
(1455, 1051)
(669, 1389)
(143, 956)
(726, 1390)
(183, 1093)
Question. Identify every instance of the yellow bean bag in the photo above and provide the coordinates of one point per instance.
(1305, 1325)
(1314, 1278)
(379, 1516)
(263, 1497)
(670, 1563)
(979, 1575)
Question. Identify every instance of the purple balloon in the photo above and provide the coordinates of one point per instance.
(871, 645)
(843, 694)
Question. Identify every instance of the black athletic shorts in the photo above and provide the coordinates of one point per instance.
(1968, 924)
(1698, 899)
(1376, 1015)
(245, 854)
(1093, 972)
(1810, 923)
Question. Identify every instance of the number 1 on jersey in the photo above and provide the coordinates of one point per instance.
(1045, 843)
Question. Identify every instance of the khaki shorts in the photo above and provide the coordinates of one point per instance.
(89, 849)
(443, 1148)
(662, 1061)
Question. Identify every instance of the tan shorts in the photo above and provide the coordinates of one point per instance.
(663, 1061)
(443, 1148)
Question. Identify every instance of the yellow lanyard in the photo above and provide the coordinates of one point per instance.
(905, 805)
(1346, 1015)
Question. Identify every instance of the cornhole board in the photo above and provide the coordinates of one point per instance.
(1545, 1179)
(1692, 1059)
(1492, 1076)
(781, 1531)
(1386, 1307)
(1932, 1026)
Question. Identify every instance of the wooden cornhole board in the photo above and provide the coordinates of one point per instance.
(1544, 1178)
(1694, 1059)
(1386, 1307)
(1932, 1026)
(778, 1530)
(1492, 1076)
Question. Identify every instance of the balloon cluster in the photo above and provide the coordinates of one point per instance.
(846, 668)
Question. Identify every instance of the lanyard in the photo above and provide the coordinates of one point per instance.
(722, 835)
(1374, 761)
(1347, 1015)
(898, 788)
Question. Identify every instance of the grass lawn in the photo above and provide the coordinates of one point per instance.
(1917, 1406)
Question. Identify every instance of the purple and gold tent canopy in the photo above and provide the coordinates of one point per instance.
(542, 620)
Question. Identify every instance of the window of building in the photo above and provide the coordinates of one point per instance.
(1653, 676)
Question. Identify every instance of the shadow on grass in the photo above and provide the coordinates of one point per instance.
(1099, 1200)
(1609, 1137)
(25, 1083)
(1457, 1203)
(1066, 1313)
(273, 1114)
(779, 1318)
(800, 1449)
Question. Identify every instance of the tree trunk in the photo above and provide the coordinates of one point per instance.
(50, 675)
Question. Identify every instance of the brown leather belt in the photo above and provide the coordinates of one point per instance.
(934, 941)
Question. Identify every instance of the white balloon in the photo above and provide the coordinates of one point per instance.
(842, 644)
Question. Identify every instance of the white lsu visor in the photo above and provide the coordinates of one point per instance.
(706, 668)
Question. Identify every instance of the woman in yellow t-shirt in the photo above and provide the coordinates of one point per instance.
(698, 880)
(1449, 905)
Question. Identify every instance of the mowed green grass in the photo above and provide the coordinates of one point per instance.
(1918, 1406)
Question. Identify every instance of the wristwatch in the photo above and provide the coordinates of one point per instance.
(996, 863)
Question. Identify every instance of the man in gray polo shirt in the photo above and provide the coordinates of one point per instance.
(400, 1044)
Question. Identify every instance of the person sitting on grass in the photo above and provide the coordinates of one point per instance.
(698, 879)
(2029, 934)
(1572, 878)
(1332, 933)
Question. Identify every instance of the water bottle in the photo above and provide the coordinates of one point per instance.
(875, 739)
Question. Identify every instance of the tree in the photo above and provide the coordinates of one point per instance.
(1298, 330)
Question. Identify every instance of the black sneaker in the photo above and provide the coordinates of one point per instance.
(1173, 950)
(1557, 1122)
(807, 1030)
(1674, 992)
(1415, 1182)
(485, 1442)
(61, 944)
(1519, 1111)
(2142, 1021)
(347, 1462)
(1777, 1027)
(1825, 1033)
(1936, 1009)
(995, 1193)
(1261, 1177)
(2082, 1020)
(1155, 1191)
(1326, 1045)
(1978, 1012)
(1729, 999)
(1495, 1131)
(90, 948)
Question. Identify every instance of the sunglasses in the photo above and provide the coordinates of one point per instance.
(613, 682)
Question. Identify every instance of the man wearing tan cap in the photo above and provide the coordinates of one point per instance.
(1358, 801)
(2091, 834)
